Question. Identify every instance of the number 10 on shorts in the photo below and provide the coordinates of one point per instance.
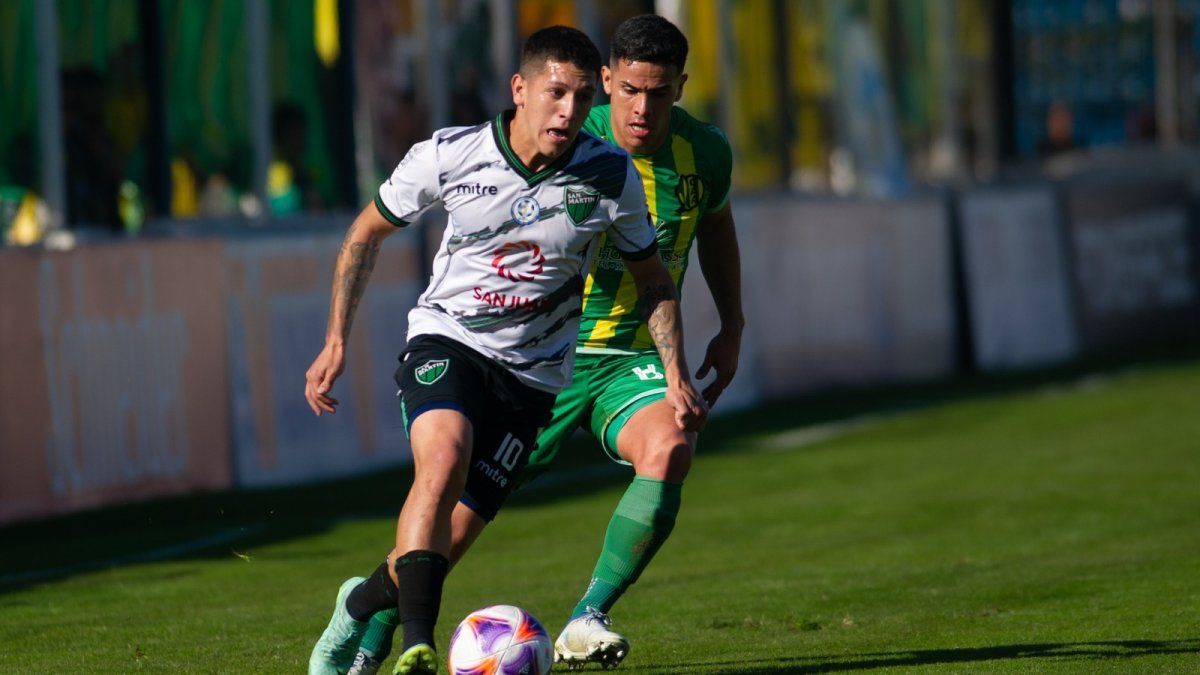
(509, 452)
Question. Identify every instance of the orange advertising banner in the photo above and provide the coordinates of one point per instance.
(113, 376)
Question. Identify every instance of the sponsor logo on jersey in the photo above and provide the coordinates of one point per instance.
(580, 202)
(432, 371)
(511, 264)
(609, 258)
(510, 301)
(689, 191)
(475, 189)
(526, 210)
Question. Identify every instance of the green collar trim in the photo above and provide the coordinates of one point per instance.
(500, 134)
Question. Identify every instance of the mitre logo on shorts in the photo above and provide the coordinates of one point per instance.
(431, 371)
(526, 211)
(580, 202)
(511, 263)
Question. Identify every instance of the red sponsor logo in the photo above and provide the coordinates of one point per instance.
(508, 300)
(518, 261)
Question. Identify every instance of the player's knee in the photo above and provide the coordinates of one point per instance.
(666, 458)
(444, 468)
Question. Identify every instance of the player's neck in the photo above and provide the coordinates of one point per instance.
(525, 147)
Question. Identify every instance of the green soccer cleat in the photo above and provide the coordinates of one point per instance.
(334, 652)
(417, 660)
(589, 639)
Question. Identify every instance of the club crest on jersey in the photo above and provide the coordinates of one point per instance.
(526, 211)
(432, 371)
(689, 191)
(580, 202)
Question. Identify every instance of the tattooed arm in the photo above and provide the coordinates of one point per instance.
(350, 275)
(659, 304)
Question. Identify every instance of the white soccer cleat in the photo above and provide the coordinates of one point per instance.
(364, 664)
(588, 639)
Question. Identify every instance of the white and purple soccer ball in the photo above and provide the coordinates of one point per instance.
(500, 640)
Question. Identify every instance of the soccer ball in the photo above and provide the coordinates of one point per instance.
(500, 640)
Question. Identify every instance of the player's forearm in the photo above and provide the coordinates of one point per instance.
(355, 262)
(721, 265)
(665, 323)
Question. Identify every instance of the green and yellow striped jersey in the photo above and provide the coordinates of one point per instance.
(685, 179)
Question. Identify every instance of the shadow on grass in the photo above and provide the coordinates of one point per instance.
(219, 525)
(1065, 651)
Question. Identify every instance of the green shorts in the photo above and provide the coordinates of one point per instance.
(605, 391)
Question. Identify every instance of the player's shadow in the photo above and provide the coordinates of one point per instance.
(1058, 651)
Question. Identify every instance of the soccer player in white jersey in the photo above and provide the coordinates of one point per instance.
(491, 339)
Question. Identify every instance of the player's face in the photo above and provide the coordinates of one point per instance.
(552, 105)
(642, 95)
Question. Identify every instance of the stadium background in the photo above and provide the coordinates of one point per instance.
(924, 189)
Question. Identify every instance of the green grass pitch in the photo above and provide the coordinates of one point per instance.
(1028, 524)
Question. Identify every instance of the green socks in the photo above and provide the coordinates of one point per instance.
(641, 523)
(377, 643)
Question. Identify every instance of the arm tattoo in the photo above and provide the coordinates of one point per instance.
(660, 318)
(355, 264)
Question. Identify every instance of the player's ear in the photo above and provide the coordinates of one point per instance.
(518, 90)
(606, 79)
(679, 90)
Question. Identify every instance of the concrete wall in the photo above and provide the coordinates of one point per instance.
(142, 368)
(113, 373)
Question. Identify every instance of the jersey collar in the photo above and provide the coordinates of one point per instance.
(500, 134)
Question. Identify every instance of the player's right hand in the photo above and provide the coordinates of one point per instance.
(691, 413)
(320, 378)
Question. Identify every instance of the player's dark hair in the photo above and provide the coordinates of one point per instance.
(651, 39)
(562, 44)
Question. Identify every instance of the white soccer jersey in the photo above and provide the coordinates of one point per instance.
(508, 277)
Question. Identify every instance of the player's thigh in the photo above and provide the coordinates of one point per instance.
(627, 385)
(441, 441)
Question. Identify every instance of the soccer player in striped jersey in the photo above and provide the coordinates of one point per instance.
(618, 389)
(490, 341)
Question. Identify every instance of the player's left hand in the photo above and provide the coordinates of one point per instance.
(691, 413)
(722, 356)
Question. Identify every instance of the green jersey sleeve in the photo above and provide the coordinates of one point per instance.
(719, 158)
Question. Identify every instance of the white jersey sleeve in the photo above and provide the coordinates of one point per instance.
(413, 187)
(632, 232)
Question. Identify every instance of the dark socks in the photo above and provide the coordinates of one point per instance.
(375, 594)
(421, 575)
